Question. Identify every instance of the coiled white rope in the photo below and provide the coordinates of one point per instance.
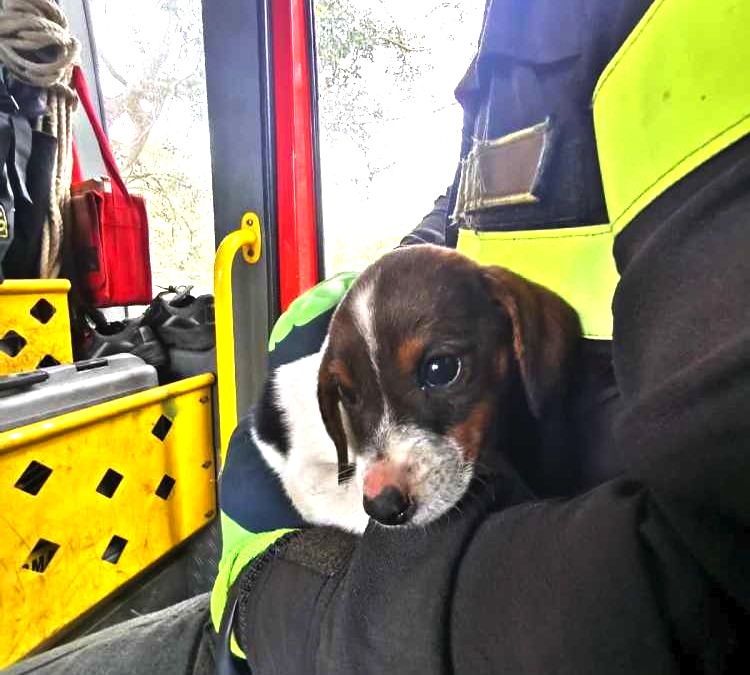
(26, 27)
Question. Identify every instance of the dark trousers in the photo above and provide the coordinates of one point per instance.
(174, 641)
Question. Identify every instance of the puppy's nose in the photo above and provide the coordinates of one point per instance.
(390, 507)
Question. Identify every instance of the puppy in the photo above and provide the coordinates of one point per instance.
(435, 371)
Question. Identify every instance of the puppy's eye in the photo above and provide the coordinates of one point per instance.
(439, 371)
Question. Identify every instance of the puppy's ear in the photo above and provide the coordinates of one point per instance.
(328, 401)
(546, 332)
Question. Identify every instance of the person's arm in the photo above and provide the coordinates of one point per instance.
(435, 227)
(647, 573)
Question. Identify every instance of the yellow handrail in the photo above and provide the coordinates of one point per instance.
(248, 239)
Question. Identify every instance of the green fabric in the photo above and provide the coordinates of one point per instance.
(575, 262)
(239, 547)
(311, 304)
(674, 95)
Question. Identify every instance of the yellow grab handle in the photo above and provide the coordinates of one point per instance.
(251, 250)
(248, 239)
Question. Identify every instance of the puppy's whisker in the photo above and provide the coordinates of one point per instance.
(480, 467)
(456, 511)
(481, 480)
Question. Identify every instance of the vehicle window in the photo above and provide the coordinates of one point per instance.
(150, 57)
(390, 127)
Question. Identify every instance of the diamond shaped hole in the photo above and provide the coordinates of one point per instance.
(41, 556)
(162, 427)
(48, 361)
(12, 344)
(109, 483)
(42, 311)
(33, 478)
(114, 549)
(164, 489)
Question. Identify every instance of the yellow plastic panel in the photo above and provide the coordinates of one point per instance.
(126, 480)
(34, 320)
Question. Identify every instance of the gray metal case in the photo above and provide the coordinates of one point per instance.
(41, 394)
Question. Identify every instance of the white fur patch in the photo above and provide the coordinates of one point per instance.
(309, 471)
(363, 310)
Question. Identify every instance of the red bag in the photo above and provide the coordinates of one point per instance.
(110, 228)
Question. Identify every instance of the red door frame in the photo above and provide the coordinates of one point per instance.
(296, 193)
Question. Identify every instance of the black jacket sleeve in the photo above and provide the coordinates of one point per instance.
(645, 574)
(435, 227)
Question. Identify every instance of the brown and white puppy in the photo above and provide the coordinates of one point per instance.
(432, 371)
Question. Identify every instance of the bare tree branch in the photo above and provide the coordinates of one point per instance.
(398, 44)
(103, 58)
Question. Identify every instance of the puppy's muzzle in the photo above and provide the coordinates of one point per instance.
(390, 507)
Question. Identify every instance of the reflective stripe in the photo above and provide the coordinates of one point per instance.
(575, 262)
(674, 95)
